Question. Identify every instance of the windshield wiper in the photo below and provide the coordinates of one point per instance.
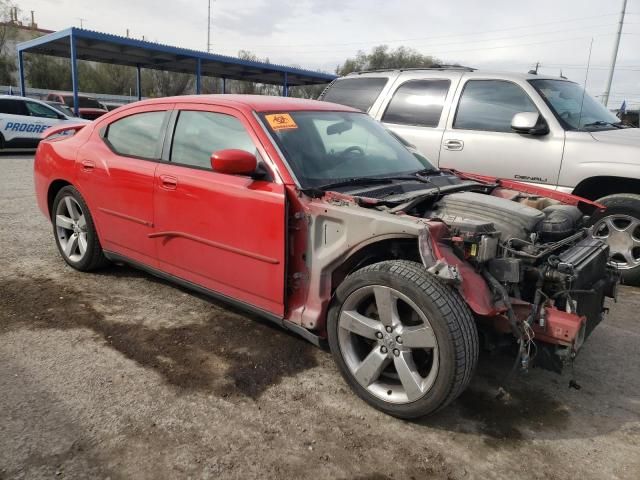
(602, 123)
(355, 182)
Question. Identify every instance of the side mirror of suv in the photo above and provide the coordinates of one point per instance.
(530, 123)
(234, 162)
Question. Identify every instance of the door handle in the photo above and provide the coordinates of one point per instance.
(168, 182)
(87, 165)
(454, 145)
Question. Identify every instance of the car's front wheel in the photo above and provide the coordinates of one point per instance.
(406, 343)
(75, 232)
(619, 226)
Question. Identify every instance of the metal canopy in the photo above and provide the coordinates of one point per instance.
(77, 43)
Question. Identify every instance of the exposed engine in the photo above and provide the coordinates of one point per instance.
(534, 260)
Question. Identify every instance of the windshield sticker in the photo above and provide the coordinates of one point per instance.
(281, 121)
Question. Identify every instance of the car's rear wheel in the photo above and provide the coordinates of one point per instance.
(75, 232)
(619, 226)
(406, 343)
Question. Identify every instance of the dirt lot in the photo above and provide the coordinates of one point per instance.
(120, 375)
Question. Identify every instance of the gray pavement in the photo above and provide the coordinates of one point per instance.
(120, 375)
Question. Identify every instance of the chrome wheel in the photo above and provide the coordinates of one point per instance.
(71, 228)
(388, 344)
(622, 234)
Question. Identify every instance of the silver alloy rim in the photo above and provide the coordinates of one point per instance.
(71, 229)
(388, 344)
(622, 234)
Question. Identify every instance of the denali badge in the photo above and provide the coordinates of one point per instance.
(531, 179)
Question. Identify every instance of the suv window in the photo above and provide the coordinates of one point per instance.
(13, 107)
(198, 134)
(490, 105)
(39, 110)
(358, 93)
(417, 102)
(137, 135)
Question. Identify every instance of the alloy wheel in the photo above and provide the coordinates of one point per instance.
(622, 234)
(71, 228)
(388, 344)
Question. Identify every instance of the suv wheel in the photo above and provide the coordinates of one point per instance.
(75, 232)
(406, 343)
(619, 226)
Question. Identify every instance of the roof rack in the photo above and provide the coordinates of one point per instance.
(433, 67)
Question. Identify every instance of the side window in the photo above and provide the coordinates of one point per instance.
(39, 110)
(137, 135)
(417, 102)
(358, 93)
(198, 134)
(13, 107)
(490, 105)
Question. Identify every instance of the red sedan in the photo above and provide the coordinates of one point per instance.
(312, 215)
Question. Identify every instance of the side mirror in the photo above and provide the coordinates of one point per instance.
(530, 123)
(234, 162)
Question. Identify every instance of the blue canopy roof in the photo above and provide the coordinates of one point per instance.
(114, 49)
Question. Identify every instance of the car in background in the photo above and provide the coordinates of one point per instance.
(312, 215)
(541, 130)
(62, 108)
(22, 121)
(88, 107)
(111, 105)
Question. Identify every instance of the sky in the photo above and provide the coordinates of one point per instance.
(490, 34)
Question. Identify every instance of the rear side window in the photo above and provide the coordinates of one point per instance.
(198, 134)
(137, 135)
(39, 110)
(417, 102)
(490, 105)
(13, 107)
(358, 93)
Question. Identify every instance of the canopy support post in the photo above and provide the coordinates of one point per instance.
(74, 73)
(198, 76)
(138, 82)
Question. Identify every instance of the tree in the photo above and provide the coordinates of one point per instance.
(159, 83)
(382, 57)
(7, 32)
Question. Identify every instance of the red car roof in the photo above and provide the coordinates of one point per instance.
(257, 103)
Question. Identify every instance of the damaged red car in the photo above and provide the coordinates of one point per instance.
(314, 216)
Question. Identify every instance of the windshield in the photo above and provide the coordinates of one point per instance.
(329, 147)
(566, 100)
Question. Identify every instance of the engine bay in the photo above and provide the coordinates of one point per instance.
(538, 258)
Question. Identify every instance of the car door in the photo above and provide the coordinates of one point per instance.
(115, 174)
(223, 232)
(479, 138)
(415, 109)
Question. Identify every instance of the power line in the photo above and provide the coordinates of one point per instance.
(458, 42)
(533, 25)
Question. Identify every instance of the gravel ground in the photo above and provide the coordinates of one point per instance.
(120, 375)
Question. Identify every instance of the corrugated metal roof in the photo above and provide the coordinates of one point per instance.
(115, 49)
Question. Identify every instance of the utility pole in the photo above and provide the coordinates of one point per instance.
(614, 55)
(81, 21)
(209, 27)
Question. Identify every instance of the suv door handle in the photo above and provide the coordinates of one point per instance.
(168, 182)
(454, 144)
(87, 165)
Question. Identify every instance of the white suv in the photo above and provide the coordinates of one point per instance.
(532, 128)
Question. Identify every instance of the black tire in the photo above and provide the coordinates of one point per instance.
(623, 204)
(93, 258)
(451, 321)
